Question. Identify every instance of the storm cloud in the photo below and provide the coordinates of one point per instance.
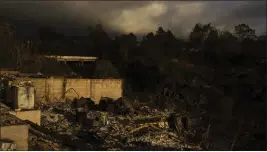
(138, 17)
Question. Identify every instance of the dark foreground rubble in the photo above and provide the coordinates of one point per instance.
(116, 125)
(120, 125)
(142, 129)
(37, 140)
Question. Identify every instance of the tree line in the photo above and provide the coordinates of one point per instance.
(141, 59)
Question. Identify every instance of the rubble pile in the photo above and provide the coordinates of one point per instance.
(36, 139)
(184, 118)
(114, 130)
(7, 145)
(59, 117)
(40, 141)
(7, 119)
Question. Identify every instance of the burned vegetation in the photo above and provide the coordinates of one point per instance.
(95, 92)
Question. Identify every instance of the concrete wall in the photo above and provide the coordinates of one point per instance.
(49, 90)
(54, 89)
(31, 115)
(46, 89)
(24, 97)
(106, 88)
(16, 133)
(8, 71)
(39, 87)
(78, 88)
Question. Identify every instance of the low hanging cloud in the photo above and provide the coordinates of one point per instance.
(139, 20)
(138, 17)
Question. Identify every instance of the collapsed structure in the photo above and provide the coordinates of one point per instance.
(96, 105)
(23, 92)
(86, 110)
(49, 88)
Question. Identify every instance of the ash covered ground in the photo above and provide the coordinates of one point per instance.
(123, 131)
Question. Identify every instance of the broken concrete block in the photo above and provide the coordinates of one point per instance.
(90, 103)
(7, 145)
(23, 97)
(106, 103)
(81, 102)
(31, 115)
(124, 105)
(84, 104)
(180, 122)
(81, 117)
(16, 133)
(95, 118)
(123, 102)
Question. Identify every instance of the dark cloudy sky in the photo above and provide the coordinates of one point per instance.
(138, 17)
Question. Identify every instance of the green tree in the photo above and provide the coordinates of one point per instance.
(200, 34)
(160, 31)
(127, 45)
(99, 40)
(12, 51)
(196, 36)
(7, 38)
(243, 31)
(8, 41)
(228, 44)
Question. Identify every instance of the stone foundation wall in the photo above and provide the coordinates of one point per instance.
(48, 90)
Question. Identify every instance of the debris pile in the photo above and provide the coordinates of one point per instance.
(36, 139)
(59, 117)
(6, 145)
(124, 127)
